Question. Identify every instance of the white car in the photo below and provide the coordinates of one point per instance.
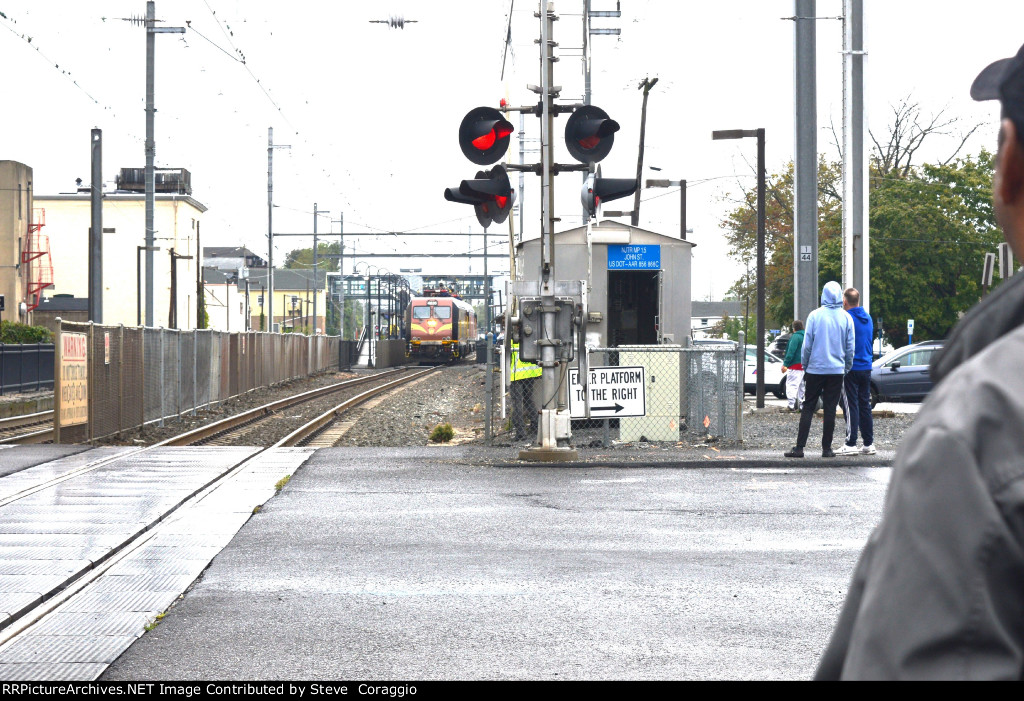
(774, 377)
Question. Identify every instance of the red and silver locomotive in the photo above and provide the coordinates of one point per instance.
(441, 326)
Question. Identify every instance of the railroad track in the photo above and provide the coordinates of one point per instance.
(234, 429)
(26, 429)
(17, 492)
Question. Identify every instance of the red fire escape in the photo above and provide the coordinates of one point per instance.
(37, 267)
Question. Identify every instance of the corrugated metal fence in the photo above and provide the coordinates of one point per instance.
(140, 376)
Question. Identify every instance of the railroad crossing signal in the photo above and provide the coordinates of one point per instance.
(597, 190)
(490, 193)
(590, 134)
(484, 135)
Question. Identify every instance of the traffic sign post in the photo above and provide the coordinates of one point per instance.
(910, 331)
(614, 392)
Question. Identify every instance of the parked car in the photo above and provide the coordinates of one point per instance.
(903, 374)
(780, 343)
(774, 377)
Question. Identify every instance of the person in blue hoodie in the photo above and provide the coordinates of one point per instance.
(856, 400)
(827, 356)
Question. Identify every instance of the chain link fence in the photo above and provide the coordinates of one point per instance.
(142, 376)
(661, 394)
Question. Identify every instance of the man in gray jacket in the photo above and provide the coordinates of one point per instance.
(826, 356)
(938, 592)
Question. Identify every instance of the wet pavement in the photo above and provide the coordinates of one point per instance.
(456, 563)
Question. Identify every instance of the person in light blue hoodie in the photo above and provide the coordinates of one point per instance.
(827, 356)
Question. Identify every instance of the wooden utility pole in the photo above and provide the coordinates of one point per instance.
(646, 84)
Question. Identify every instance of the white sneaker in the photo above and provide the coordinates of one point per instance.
(848, 450)
(868, 450)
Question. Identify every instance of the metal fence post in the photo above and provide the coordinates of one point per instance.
(90, 379)
(195, 372)
(163, 392)
(120, 379)
(490, 389)
(57, 384)
(741, 363)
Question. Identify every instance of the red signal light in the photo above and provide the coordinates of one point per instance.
(502, 102)
(488, 140)
(500, 201)
(590, 142)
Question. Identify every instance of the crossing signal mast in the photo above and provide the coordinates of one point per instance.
(484, 137)
(551, 322)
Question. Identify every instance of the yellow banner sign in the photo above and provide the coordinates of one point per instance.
(74, 379)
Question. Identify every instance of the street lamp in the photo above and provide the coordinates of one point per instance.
(759, 135)
(681, 184)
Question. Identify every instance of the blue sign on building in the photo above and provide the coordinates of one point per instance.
(631, 257)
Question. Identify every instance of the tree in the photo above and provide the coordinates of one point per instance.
(303, 257)
(930, 231)
(930, 227)
(741, 233)
(729, 327)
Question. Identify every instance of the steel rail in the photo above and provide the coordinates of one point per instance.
(313, 427)
(208, 431)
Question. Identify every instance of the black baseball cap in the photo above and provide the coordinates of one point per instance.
(1004, 81)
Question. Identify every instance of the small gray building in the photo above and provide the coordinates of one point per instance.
(640, 281)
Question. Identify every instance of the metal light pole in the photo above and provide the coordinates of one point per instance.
(138, 279)
(151, 31)
(270, 222)
(759, 134)
(96, 230)
(681, 184)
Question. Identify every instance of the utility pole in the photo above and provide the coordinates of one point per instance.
(316, 213)
(172, 316)
(96, 230)
(646, 84)
(151, 31)
(855, 171)
(805, 167)
(200, 291)
(270, 222)
(341, 270)
(588, 32)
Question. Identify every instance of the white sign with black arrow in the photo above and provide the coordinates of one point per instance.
(614, 392)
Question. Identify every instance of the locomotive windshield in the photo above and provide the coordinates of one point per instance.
(424, 312)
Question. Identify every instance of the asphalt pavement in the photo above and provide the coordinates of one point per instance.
(454, 563)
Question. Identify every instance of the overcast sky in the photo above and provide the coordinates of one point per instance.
(371, 113)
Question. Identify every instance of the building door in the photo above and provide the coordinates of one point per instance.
(632, 307)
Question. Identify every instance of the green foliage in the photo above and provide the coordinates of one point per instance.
(930, 227)
(16, 332)
(204, 314)
(741, 234)
(282, 482)
(303, 257)
(929, 234)
(731, 326)
(442, 433)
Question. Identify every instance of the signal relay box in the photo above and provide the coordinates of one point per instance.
(531, 330)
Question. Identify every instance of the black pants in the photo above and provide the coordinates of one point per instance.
(857, 406)
(828, 387)
(524, 409)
